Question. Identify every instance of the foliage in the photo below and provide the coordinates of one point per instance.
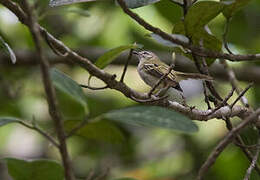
(154, 117)
(137, 142)
(37, 169)
(10, 51)
(108, 57)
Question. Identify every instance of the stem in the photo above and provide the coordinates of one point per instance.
(50, 92)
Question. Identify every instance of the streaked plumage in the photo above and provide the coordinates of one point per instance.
(151, 69)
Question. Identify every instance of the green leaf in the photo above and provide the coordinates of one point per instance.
(179, 28)
(209, 42)
(7, 120)
(200, 14)
(181, 51)
(10, 51)
(67, 85)
(36, 169)
(153, 116)
(194, 25)
(70, 108)
(66, 2)
(170, 11)
(139, 3)
(233, 7)
(110, 55)
(100, 130)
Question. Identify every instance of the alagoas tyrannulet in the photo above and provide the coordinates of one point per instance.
(151, 69)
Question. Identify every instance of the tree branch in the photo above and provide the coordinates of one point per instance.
(253, 163)
(50, 92)
(224, 142)
(240, 143)
(241, 95)
(126, 65)
(40, 131)
(224, 102)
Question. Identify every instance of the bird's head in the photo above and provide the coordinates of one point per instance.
(145, 55)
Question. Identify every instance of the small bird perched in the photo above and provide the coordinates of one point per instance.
(151, 69)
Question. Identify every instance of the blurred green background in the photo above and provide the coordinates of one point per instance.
(139, 152)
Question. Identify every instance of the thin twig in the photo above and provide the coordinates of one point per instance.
(233, 81)
(76, 128)
(224, 102)
(253, 163)
(126, 65)
(40, 131)
(206, 95)
(230, 72)
(209, 84)
(50, 92)
(241, 94)
(204, 83)
(161, 80)
(224, 142)
(93, 88)
(254, 146)
(240, 143)
(185, 7)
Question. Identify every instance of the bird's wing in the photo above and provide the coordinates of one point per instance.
(184, 76)
(158, 71)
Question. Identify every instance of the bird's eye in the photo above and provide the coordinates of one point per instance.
(147, 55)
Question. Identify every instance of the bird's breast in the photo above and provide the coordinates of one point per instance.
(147, 78)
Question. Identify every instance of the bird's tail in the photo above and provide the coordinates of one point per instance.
(184, 76)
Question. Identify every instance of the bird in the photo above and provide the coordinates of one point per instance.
(151, 69)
